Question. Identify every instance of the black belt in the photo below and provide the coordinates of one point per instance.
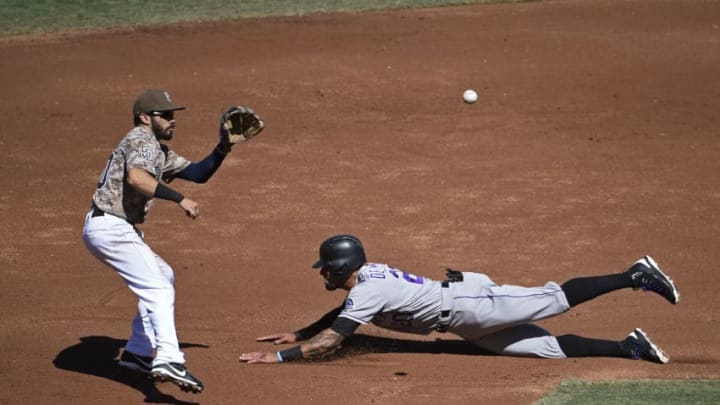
(97, 212)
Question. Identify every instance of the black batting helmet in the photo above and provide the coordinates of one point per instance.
(341, 255)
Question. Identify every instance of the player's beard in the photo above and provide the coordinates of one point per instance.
(163, 134)
(333, 282)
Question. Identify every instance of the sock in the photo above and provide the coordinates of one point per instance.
(578, 346)
(581, 289)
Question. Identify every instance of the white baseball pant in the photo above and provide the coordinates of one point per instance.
(120, 245)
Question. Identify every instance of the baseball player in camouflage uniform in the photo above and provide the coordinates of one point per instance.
(496, 318)
(138, 171)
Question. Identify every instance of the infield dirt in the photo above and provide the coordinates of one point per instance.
(593, 142)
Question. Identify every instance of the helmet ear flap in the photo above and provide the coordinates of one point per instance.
(340, 271)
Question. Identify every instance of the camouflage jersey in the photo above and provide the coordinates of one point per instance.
(138, 149)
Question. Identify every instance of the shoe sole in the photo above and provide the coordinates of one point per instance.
(184, 385)
(654, 265)
(134, 367)
(661, 356)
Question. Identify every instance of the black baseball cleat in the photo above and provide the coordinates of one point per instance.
(132, 361)
(638, 346)
(646, 275)
(178, 375)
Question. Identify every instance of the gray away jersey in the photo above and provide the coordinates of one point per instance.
(138, 149)
(393, 299)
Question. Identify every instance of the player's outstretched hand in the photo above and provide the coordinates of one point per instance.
(278, 338)
(191, 207)
(259, 357)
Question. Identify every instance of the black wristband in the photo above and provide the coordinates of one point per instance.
(291, 354)
(166, 193)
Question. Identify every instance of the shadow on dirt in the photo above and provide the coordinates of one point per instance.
(360, 344)
(96, 355)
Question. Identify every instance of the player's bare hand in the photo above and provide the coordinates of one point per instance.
(278, 338)
(259, 357)
(191, 207)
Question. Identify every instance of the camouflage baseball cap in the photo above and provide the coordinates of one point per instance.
(154, 100)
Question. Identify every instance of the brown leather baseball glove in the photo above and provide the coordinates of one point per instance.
(239, 124)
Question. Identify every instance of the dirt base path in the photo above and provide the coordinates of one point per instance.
(594, 142)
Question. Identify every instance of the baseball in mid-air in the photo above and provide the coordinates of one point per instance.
(470, 96)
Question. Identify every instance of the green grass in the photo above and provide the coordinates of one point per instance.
(36, 16)
(638, 392)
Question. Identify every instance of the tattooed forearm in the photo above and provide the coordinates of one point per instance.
(321, 344)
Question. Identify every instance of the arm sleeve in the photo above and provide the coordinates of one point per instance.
(322, 324)
(201, 171)
(344, 326)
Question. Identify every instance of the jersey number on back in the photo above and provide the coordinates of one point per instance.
(407, 276)
(103, 176)
(376, 271)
